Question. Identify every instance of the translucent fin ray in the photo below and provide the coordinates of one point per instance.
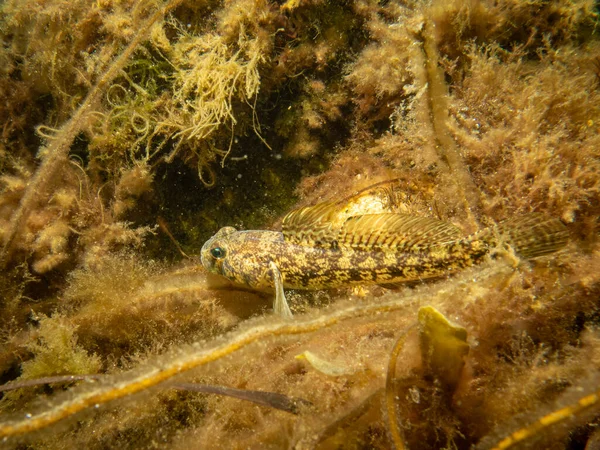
(395, 231)
(534, 234)
(311, 224)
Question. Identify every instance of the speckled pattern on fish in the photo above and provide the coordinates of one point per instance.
(321, 248)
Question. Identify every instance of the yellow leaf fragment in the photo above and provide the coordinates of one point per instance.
(326, 367)
(443, 347)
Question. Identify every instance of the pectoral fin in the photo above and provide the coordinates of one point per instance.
(280, 304)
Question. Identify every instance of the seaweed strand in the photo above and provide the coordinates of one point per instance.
(58, 149)
(448, 150)
(549, 420)
(195, 357)
(390, 395)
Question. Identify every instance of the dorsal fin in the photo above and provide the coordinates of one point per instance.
(320, 224)
(312, 224)
(395, 231)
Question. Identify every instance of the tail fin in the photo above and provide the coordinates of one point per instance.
(534, 234)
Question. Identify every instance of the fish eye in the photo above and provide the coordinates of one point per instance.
(217, 252)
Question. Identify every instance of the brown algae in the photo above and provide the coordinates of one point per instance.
(119, 116)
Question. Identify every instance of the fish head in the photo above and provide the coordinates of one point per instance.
(215, 250)
(243, 257)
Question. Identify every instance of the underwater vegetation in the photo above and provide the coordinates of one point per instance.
(133, 130)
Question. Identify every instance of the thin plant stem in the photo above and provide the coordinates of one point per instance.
(390, 395)
(58, 149)
(192, 357)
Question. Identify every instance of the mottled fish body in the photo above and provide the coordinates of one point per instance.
(248, 255)
(323, 247)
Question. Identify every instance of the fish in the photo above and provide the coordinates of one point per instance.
(331, 245)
